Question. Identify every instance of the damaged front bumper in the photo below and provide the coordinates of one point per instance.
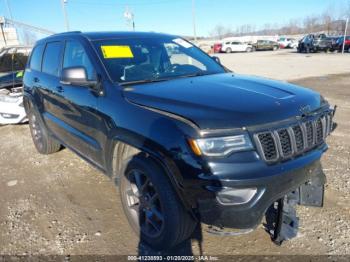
(269, 188)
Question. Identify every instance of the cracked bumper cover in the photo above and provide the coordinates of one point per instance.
(272, 183)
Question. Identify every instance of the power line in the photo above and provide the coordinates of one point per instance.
(8, 9)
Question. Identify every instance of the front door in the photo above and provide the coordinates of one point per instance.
(80, 116)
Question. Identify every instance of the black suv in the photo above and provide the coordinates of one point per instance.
(186, 140)
(316, 43)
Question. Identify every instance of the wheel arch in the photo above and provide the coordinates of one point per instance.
(121, 149)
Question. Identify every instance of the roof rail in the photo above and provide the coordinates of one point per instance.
(67, 33)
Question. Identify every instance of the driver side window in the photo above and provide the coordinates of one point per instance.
(75, 55)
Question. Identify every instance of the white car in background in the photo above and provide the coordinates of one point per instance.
(12, 64)
(287, 42)
(235, 46)
(11, 107)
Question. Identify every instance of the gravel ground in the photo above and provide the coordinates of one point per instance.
(286, 64)
(58, 204)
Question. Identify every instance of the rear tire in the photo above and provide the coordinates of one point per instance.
(249, 49)
(275, 48)
(228, 50)
(44, 144)
(151, 205)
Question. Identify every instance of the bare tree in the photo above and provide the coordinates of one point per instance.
(219, 31)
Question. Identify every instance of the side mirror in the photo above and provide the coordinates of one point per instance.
(76, 76)
(216, 59)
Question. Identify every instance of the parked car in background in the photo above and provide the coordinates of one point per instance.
(13, 60)
(217, 47)
(316, 43)
(235, 46)
(339, 44)
(12, 64)
(287, 42)
(263, 45)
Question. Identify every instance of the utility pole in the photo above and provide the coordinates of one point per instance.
(194, 19)
(8, 9)
(346, 30)
(64, 2)
(130, 18)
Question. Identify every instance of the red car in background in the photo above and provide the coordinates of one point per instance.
(217, 47)
(339, 43)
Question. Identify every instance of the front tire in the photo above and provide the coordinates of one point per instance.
(43, 142)
(249, 49)
(228, 50)
(151, 205)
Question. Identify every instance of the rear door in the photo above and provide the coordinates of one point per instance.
(48, 82)
(31, 81)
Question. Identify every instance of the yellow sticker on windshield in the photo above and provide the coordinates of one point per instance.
(116, 51)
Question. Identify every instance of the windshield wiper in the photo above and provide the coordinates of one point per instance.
(143, 81)
(199, 73)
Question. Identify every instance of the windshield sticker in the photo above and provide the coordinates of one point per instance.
(182, 42)
(116, 51)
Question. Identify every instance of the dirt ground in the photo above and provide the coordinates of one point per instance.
(58, 204)
(286, 64)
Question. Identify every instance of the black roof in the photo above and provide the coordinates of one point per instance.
(108, 35)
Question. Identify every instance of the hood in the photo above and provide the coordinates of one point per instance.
(225, 100)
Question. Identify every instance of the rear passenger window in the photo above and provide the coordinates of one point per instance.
(35, 60)
(51, 61)
(75, 55)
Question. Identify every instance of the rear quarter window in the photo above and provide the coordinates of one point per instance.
(35, 60)
(52, 58)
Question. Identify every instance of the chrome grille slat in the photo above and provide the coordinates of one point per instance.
(324, 127)
(285, 143)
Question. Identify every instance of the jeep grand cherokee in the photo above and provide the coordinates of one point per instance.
(185, 139)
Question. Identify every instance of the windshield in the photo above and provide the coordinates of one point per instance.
(153, 59)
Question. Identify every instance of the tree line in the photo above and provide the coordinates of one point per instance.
(329, 22)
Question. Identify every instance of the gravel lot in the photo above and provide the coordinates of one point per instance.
(58, 204)
(286, 64)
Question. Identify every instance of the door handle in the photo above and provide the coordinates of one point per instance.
(60, 89)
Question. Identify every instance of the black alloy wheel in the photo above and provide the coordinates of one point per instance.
(143, 203)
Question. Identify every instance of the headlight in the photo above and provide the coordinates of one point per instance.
(221, 146)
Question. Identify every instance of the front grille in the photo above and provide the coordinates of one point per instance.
(309, 134)
(288, 142)
(299, 140)
(285, 143)
(268, 146)
(319, 131)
